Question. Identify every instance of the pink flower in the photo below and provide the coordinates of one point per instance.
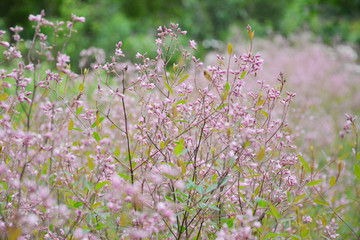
(192, 44)
(5, 44)
(306, 219)
(76, 18)
(36, 18)
(62, 61)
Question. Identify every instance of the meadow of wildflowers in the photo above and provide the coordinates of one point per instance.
(154, 150)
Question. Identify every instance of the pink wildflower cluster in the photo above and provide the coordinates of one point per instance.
(155, 151)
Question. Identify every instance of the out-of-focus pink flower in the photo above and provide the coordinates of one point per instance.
(36, 18)
(76, 18)
(5, 44)
(192, 44)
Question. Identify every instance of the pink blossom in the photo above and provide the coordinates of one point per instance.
(36, 18)
(5, 44)
(192, 44)
(76, 18)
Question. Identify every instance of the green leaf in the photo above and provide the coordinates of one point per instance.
(190, 185)
(260, 102)
(314, 183)
(97, 121)
(262, 203)
(117, 152)
(79, 110)
(213, 207)
(100, 226)
(230, 48)
(179, 148)
(304, 163)
(221, 62)
(168, 87)
(81, 87)
(261, 153)
(3, 96)
(162, 145)
(265, 113)
(207, 76)
(96, 205)
(298, 198)
(321, 202)
(274, 211)
(183, 78)
(224, 181)
(332, 181)
(181, 102)
(71, 124)
(221, 106)
(357, 171)
(227, 86)
(96, 136)
(90, 164)
(100, 185)
(200, 189)
(243, 75)
(211, 188)
(78, 204)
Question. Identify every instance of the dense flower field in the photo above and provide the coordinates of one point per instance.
(154, 150)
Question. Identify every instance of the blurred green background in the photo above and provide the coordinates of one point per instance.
(135, 21)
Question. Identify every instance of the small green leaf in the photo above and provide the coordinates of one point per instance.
(314, 183)
(79, 110)
(162, 145)
(90, 163)
(265, 113)
(96, 205)
(224, 181)
(211, 188)
(183, 78)
(221, 106)
(274, 211)
(181, 102)
(243, 75)
(100, 226)
(100, 185)
(168, 87)
(261, 203)
(304, 163)
(298, 198)
(321, 202)
(260, 102)
(96, 136)
(261, 153)
(71, 125)
(213, 207)
(179, 148)
(81, 87)
(169, 176)
(207, 76)
(78, 204)
(227, 86)
(3, 96)
(117, 152)
(332, 181)
(221, 62)
(200, 189)
(357, 171)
